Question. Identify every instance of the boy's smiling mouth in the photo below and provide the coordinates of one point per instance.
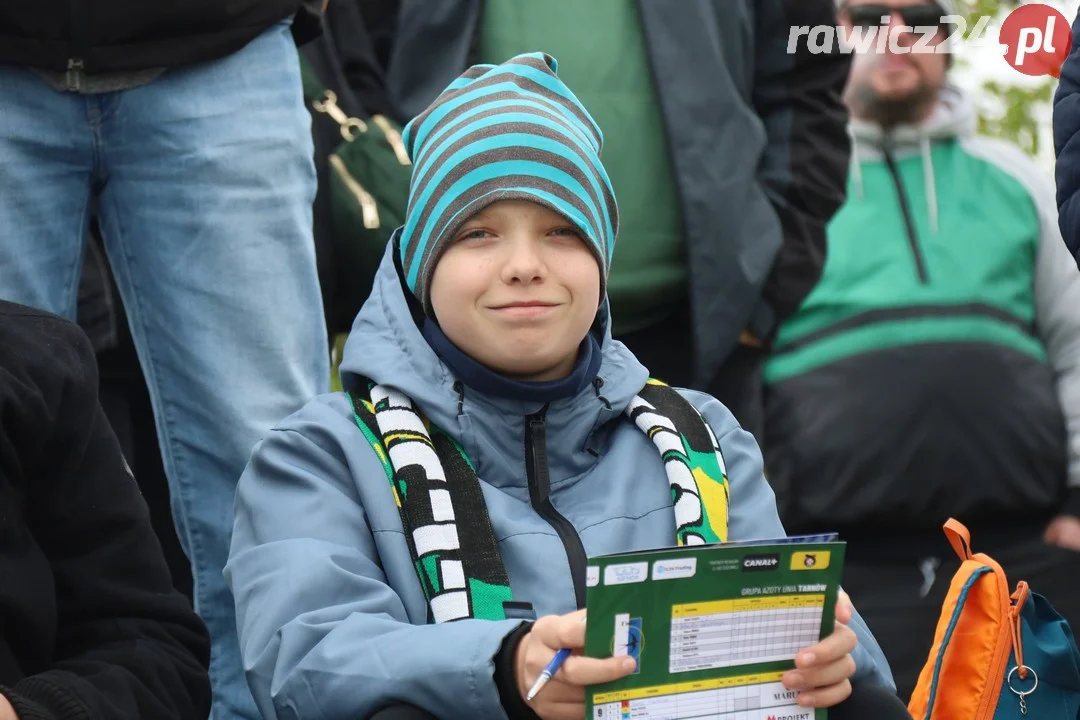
(525, 309)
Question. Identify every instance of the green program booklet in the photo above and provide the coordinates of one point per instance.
(713, 628)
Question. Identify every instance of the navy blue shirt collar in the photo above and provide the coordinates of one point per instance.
(483, 379)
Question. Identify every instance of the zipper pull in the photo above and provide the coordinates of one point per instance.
(393, 137)
(538, 428)
(1015, 628)
(74, 74)
(1019, 598)
(887, 140)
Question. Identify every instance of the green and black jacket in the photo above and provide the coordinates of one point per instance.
(935, 370)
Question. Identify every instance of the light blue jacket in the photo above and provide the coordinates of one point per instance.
(331, 614)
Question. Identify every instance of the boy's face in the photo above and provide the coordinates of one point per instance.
(518, 289)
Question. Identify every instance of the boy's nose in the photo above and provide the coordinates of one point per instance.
(525, 263)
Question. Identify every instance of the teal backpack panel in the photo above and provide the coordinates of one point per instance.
(1050, 650)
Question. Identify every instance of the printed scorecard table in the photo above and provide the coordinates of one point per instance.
(740, 632)
(712, 628)
(751, 697)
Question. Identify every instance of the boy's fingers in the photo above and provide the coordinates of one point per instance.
(571, 630)
(561, 631)
(564, 711)
(827, 696)
(558, 692)
(546, 631)
(845, 609)
(580, 670)
(822, 676)
(842, 642)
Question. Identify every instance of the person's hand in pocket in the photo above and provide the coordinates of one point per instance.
(1064, 531)
(822, 674)
(6, 711)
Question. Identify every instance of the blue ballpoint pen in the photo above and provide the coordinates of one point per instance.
(549, 671)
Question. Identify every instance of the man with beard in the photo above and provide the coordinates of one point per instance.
(935, 370)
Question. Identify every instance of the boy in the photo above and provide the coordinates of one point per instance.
(90, 625)
(489, 318)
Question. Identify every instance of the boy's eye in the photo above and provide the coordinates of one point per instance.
(474, 234)
(566, 232)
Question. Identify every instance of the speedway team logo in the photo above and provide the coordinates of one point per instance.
(1034, 39)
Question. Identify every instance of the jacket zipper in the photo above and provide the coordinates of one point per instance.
(536, 470)
(987, 707)
(909, 222)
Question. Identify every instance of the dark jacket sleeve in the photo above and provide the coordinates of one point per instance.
(380, 19)
(515, 706)
(1067, 147)
(433, 43)
(805, 167)
(128, 646)
(358, 57)
(1072, 503)
(306, 23)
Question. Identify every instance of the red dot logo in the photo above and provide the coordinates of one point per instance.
(1036, 39)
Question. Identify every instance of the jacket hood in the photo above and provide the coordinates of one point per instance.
(953, 117)
(386, 345)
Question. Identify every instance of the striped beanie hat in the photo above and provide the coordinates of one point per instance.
(503, 132)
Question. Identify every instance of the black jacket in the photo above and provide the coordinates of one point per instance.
(90, 625)
(100, 36)
(757, 135)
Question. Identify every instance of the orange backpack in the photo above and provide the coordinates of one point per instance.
(997, 655)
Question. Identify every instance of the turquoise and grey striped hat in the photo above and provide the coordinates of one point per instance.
(501, 132)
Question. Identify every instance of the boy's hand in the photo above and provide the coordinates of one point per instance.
(822, 672)
(563, 698)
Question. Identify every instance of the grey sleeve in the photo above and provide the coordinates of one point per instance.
(1057, 312)
(1057, 287)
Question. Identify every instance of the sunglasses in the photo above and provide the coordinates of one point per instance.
(867, 16)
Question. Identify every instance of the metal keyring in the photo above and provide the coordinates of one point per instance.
(1008, 681)
(1022, 695)
(1025, 692)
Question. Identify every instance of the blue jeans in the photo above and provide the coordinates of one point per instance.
(203, 182)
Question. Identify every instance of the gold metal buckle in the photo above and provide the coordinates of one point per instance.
(328, 105)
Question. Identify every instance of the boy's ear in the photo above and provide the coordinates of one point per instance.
(415, 308)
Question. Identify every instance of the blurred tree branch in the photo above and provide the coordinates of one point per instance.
(972, 10)
(1010, 113)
